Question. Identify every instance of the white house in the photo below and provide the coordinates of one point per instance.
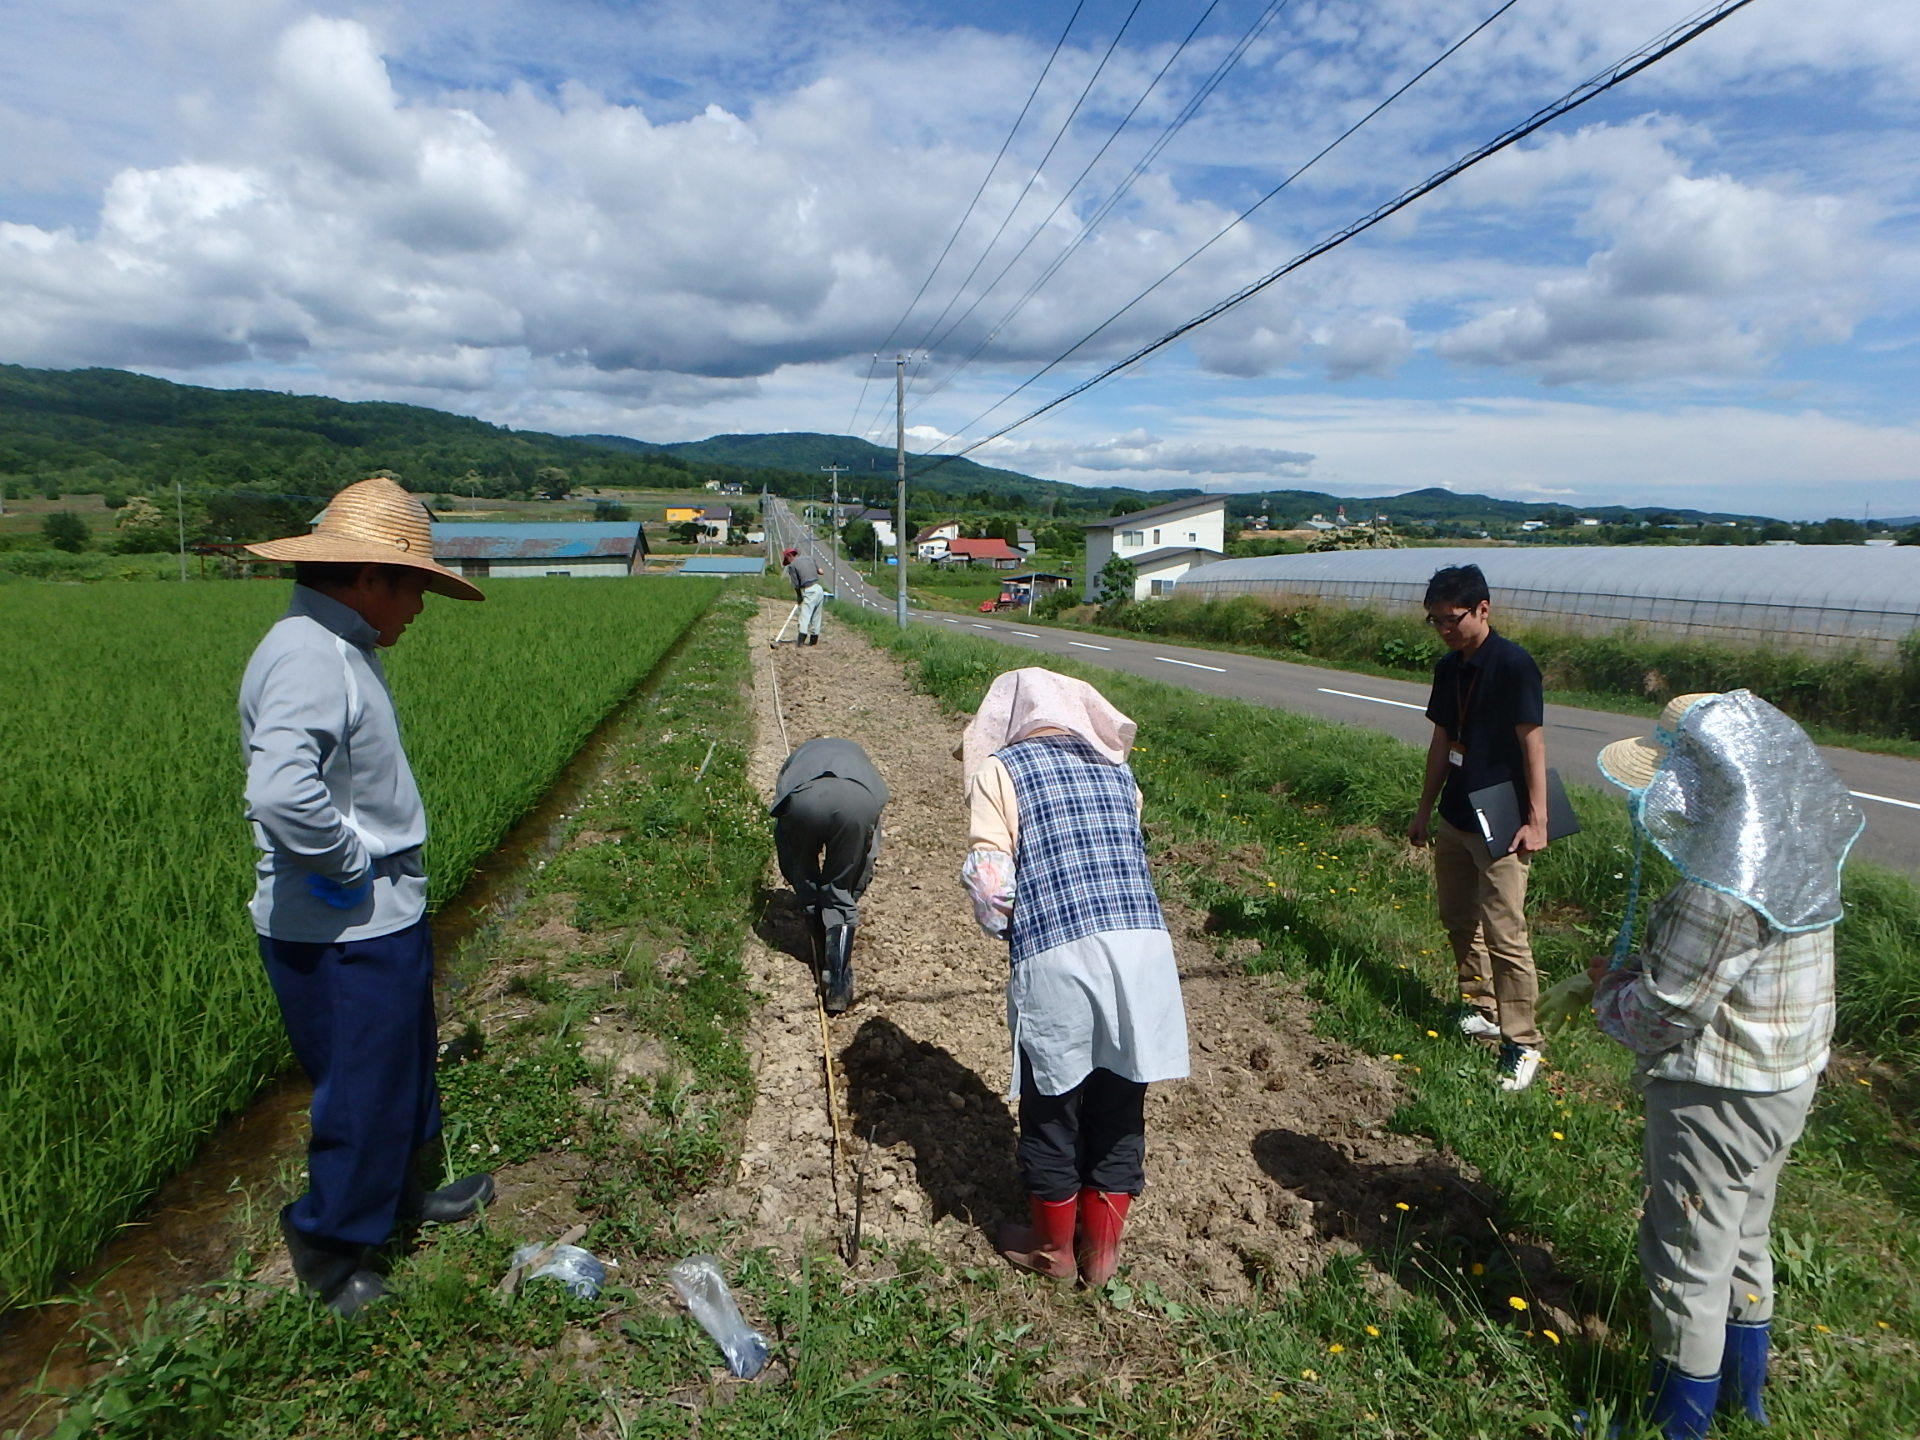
(931, 543)
(1163, 543)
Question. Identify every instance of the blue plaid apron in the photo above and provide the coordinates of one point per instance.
(1080, 859)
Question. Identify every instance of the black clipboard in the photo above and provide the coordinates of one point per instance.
(1497, 808)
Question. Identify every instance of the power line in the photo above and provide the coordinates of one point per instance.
(1239, 219)
(1119, 191)
(1066, 194)
(1616, 74)
(967, 214)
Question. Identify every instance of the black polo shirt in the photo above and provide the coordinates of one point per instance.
(1479, 702)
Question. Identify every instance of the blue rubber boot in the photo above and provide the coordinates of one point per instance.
(1681, 1404)
(1743, 1369)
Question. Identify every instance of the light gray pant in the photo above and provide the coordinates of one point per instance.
(810, 601)
(1713, 1159)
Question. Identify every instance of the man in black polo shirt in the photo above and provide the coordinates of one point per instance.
(1486, 710)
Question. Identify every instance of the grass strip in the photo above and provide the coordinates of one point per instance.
(137, 1014)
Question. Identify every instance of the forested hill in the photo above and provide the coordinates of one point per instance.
(94, 431)
(870, 471)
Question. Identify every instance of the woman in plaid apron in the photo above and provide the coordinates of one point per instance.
(1093, 995)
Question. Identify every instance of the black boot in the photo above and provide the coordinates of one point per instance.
(336, 1273)
(465, 1197)
(836, 980)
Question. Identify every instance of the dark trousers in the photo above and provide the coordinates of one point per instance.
(826, 836)
(1093, 1135)
(360, 1016)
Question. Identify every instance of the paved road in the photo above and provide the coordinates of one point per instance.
(1888, 786)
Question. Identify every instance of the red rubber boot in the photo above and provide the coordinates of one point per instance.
(1046, 1243)
(1103, 1215)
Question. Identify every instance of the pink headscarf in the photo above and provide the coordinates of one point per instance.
(1023, 701)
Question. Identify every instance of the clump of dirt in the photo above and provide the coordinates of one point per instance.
(1272, 1156)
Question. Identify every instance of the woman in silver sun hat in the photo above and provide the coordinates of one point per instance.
(1728, 1007)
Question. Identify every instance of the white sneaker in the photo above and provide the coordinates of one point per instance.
(1476, 1026)
(1518, 1064)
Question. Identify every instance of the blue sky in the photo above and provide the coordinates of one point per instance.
(679, 219)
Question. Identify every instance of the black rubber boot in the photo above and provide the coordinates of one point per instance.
(836, 979)
(464, 1198)
(338, 1274)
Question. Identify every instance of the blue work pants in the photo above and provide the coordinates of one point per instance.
(360, 1016)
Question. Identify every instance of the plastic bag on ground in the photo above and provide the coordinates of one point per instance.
(579, 1270)
(704, 1288)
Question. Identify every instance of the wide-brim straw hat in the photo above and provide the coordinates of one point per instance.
(373, 522)
(1632, 764)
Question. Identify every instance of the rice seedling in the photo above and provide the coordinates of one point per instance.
(136, 1012)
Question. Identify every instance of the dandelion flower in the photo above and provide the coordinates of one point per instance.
(1309, 1374)
(1867, 1083)
(1516, 1302)
(1335, 1349)
(1551, 1336)
(1752, 1299)
(1883, 1324)
(1433, 1034)
(1401, 1205)
(1374, 1330)
(1558, 1136)
(1398, 1056)
(1823, 1329)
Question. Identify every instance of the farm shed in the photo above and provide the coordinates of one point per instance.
(575, 548)
(1808, 597)
(721, 565)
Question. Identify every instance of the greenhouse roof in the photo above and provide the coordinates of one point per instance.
(1836, 577)
(721, 565)
(556, 540)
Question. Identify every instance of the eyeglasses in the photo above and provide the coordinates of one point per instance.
(1447, 622)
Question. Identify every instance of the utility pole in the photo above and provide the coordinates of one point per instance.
(900, 490)
(833, 517)
(180, 514)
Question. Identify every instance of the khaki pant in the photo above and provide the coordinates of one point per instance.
(1713, 1160)
(1483, 907)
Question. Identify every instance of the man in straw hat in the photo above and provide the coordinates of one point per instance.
(341, 896)
(1728, 1008)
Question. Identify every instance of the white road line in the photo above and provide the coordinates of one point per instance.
(1191, 665)
(1884, 799)
(1378, 700)
(1085, 646)
(978, 626)
(950, 622)
(1028, 633)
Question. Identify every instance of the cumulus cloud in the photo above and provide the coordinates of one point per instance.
(1146, 453)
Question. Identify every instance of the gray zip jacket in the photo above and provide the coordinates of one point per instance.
(329, 791)
(802, 571)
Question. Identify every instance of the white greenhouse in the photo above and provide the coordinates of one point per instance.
(1809, 597)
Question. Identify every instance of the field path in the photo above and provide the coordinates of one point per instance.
(1271, 1152)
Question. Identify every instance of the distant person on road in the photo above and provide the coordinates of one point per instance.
(826, 832)
(340, 898)
(1487, 708)
(1057, 865)
(803, 573)
(1728, 1007)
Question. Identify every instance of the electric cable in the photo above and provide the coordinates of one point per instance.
(1240, 219)
(1114, 196)
(967, 214)
(1067, 192)
(1616, 74)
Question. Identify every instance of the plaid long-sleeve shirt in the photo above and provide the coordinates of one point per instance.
(1717, 996)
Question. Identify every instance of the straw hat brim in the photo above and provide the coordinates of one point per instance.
(341, 550)
(1632, 764)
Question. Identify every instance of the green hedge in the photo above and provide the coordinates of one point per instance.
(1847, 690)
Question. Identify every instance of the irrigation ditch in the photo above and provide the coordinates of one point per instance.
(226, 1196)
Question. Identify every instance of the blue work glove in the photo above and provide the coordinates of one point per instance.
(340, 897)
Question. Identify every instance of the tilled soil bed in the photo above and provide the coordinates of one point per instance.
(1271, 1156)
